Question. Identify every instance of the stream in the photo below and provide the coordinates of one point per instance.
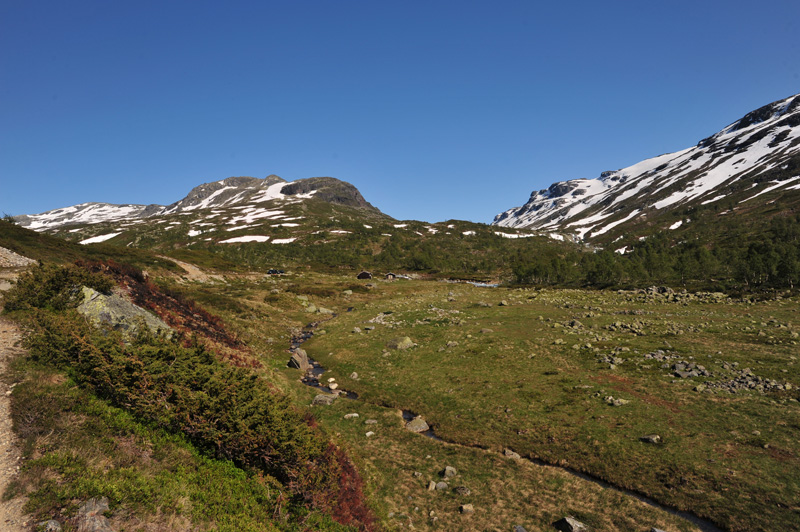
(313, 378)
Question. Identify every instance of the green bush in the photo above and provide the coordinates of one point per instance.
(53, 287)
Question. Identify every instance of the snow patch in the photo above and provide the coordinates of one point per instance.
(247, 238)
(99, 238)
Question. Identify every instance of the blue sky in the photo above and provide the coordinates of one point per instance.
(434, 110)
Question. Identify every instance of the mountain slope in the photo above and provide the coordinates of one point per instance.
(758, 156)
(247, 193)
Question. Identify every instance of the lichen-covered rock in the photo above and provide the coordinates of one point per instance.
(299, 360)
(401, 343)
(119, 313)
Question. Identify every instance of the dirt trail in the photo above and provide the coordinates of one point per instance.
(12, 517)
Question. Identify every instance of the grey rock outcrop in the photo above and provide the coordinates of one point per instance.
(119, 313)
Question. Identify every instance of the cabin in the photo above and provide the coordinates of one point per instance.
(364, 275)
(390, 276)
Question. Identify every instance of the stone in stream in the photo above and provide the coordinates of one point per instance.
(299, 360)
(570, 524)
(324, 399)
(417, 425)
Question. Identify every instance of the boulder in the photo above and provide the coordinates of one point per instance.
(119, 313)
(324, 399)
(508, 453)
(49, 526)
(401, 343)
(299, 360)
(467, 509)
(417, 424)
(650, 438)
(462, 490)
(441, 486)
(448, 472)
(90, 516)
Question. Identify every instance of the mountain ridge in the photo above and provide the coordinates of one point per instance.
(226, 192)
(755, 155)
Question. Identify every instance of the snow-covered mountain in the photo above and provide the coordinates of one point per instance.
(249, 194)
(758, 156)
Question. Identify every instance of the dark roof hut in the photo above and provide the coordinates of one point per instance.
(364, 275)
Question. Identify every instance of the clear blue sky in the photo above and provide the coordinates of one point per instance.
(433, 109)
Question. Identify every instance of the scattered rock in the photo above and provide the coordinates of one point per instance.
(351, 416)
(448, 472)
(467, 509)
(508, 453)
(324, 399)
(369, 434)
(371, 422)
(333, 386)
(462, 490)
(570, 524)
(417, 425)
(90, 516)
(441, 486)
(610, 400)
(401, 343)
(503, 303)
(650, 438)
(49, 526)
(354, 376)
(356, 330)
(518, 528)
(431, 485)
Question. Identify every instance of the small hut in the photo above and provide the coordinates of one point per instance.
(364, 275)
(390, 276)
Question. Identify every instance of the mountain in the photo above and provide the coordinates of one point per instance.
(747, 169)
(246, 193)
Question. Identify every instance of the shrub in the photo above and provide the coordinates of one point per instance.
(53, 287)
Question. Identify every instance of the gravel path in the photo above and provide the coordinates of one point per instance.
(12, 518)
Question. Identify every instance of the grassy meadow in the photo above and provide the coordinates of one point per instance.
(562, 377)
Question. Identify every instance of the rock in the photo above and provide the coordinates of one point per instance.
(486, 331)
(119, 313)
(650, 438)
(654, 529)
(369, 434)
(351, 416)
(467, 509)
(448, 472)
(356, 330)
(323, 310)
(354, 376)
(348, 292)
(371, 422)
(311, 308)
(417, 424)
(431, 485)
(462, 490)
(90, 516)
(518, 528)
(299, 360)
(503, 303)
(508, 453)
(333, 386)
(49, 526)
(401, 343)
(570, 524)
(324, 399)
(441, 486)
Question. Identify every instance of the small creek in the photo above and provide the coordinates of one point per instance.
(312, 378)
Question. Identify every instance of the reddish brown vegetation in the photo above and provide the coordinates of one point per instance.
(177, 311)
